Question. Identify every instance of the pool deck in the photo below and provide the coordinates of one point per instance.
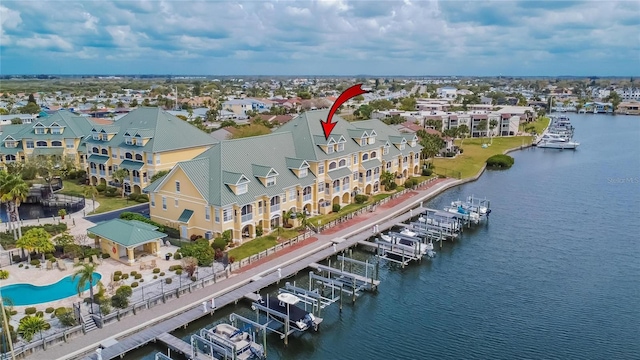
(84, 345)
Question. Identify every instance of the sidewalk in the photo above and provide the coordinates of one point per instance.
(77, 347)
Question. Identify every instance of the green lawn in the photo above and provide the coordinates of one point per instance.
(262, 243)
(106, 203)
(474, 156)
(539, 125)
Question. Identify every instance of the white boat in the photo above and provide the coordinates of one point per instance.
(235, 341)
(558, 144)
(422, 247)
(460, 209)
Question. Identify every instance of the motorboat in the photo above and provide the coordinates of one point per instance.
(558, 144)
(232, 340)
(298, 317)
(406, 240)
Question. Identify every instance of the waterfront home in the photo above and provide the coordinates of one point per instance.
(61, 134)
(629, 108)
(251, 183)
(143, 142)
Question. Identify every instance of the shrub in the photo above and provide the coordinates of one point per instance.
(119, 301)
(59, 311)
(161, 273)
(101, 187)
(13, 312)
(105, 256)
(168, 280)
(105, 307)
(21, 265)
(67, 318)
(124, 290)
(170, 255)
(125, 276)
(391, 186)
(4, 274)
(460, 150)
(141, 280)
(127, 215)
(30, 310)
(219, 243)
(26, 267)
(427, 172)
(177, 256)
(193, 278)
(138, 276)
(134, 284)
(259, 231)
(335, 207)
(155, 277)
(361, 198)
(175, 267)
(410, 183)
(201, 250)
(500, 161)
(156, 270)
(16, 258)
(34, 262)
(49, 310)
(179, 272)
(118, 273)
(133, 196)
(133, 273)
(39, 314)
(116, 277)
(142, 198)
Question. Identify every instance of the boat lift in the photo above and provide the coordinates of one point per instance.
(161, 356)
(227, 349)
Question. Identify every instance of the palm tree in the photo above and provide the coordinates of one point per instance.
(85, 276)
(120, 175)
(14, 192)
(463, 131)
(492, 125)
(5, 187)
(91, 192)
(303, 218)
(30, 325)
(386, 178)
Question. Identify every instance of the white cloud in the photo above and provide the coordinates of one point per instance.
(450, 36)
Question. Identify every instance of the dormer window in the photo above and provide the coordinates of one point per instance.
(330, 149)
(271, 181)
(95, 136)
(242, 189)
(56, 130)
(303, 173)
(128, 140)
(401, 147)
(364, 141)
(340, 147)
(39, 130)
(385, 150)
(371, 140)
(10, 143)
(104, 137)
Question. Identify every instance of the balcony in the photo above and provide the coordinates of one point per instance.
(368, 178)
(136, 180)
(275, 208)
(246, 217)
(94, 171)
(336, 189)
(306, 197)
(102, 173)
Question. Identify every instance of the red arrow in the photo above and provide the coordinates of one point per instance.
(351, 92)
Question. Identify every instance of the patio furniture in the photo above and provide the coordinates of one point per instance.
(95, 259)
(61, 265)
(87, 260)
(49, 265)
(76, 261)
(142, 266)
(153, 264)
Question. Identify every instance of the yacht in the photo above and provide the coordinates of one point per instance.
(299, 318)
(558, 143)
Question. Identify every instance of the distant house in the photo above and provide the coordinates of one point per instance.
(447, 92)
(241, 106)
(629, 108)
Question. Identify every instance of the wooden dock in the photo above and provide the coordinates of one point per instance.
(347, 275)
(253, 286)
(180, 346)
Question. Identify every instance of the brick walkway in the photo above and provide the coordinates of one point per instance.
(79, 346)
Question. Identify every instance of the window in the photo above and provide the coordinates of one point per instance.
(56, 143)
(321, 187)
(95, 150)
(341, 147)
(128, 140)
(10, 143)
(271, 180)
(176, 202)
(320, 169)
(388, 165)
(355, 175)
(114, 154)
(330, 149)
(105, 152)
(342, 163)
(128, 156)
(303, 173)
(150, 159)
(104, 137)
(41, 144)
(385, 150)
(372, 140)
(157, 159)
(138, 157)
(374, 155)
(164, 203)
(332, 166)
(355, 159)
(363, 141)
(242, 189)
(365, 157)
(115, 167)
(70, 143)
(227, 215)
(178, 187)
(417, 156)
(152, 197)
(292, 194)
(207, 213)
(217, 214)
(29, 144)
(95, 136)
(56, 130)
(39, 131)
(401, 146)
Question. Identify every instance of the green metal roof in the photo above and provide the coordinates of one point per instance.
(185, 216)
(295, 163)
(131, 165)
(263, 171)
(98, 159)
(127, 233)
(373, 163)
(339, 173)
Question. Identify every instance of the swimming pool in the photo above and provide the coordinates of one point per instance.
(27, 294)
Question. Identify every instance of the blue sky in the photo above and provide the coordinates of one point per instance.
(329, 37)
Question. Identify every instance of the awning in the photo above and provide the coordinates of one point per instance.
(48, 151)
(339, 173)
(131, 165)
(98, 159)
(367, 165)
(185, 216)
